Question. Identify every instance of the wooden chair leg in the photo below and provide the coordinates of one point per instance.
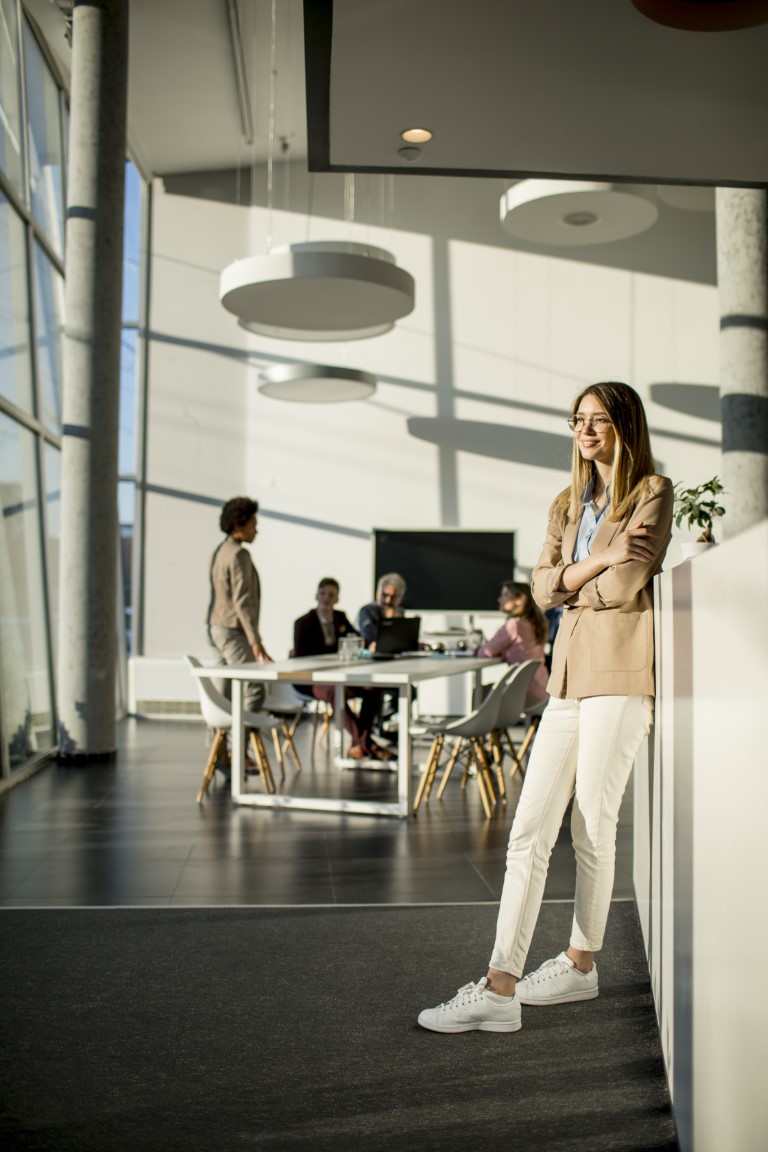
(278, 752)
(219, 741)
(449, 766)
(288, 744)
(498, 760)
(326, 728)
(530, 733)
(475, 753)
(425, 785)
(485, 779)
(431, 776)
(515, 756)
(262, 762)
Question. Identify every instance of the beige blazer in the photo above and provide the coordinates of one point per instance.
(604, 646)
(235, 590)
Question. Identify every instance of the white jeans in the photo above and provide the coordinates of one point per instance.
(588, 746)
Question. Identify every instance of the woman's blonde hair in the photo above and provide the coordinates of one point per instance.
(632, 457)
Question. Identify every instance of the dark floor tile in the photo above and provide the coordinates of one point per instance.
(89, 880)
(133, 833)
(254, 883)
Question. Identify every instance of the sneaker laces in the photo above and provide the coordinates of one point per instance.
(548, 971)
(467, 994)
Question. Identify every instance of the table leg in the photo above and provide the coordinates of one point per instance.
(477, 691)
(404, 710)
(339, 701)
(238, 741)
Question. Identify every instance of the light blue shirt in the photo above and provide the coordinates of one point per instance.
(590, 522)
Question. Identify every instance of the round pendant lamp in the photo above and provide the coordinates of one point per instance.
(688, 197)
(316, 383)
(569, 213)
(318, 291)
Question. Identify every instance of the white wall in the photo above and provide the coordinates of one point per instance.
(467, 427)
(701, 854)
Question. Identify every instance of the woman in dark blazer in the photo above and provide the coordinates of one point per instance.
(606, 539)
(318, 632)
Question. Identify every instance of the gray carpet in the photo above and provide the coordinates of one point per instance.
(134, 1029)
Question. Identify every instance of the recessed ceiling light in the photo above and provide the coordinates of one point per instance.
(416, 135)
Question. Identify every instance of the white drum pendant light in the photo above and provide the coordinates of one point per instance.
(573, 212)
(316, 383)
(318, 291)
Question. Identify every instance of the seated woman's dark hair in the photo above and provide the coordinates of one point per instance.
(237, 512)
(530, 610)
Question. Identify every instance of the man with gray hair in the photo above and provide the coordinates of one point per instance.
(390, 590)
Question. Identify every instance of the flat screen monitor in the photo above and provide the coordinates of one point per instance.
(445, 570)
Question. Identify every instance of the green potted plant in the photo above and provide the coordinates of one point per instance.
(699, 507)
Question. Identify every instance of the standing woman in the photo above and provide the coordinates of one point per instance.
(522, 636)
(235, 603)
(606, 539)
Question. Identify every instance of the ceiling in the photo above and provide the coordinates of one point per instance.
(510, 88)
(591, 89)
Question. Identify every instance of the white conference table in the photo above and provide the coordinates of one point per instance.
(401, 674)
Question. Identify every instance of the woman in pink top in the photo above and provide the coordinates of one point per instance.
(522, 636)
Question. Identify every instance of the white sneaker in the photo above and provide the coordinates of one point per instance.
(558, 981)
(474, 1009)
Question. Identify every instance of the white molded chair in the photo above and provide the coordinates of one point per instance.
(534, 715)
(287, 705)
(217, 713)
(471, 730)
(511, 710)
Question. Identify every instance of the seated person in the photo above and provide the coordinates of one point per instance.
(390, 590)
(318, 632)
(522, 636)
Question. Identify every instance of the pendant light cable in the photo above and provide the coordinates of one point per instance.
(271, 144)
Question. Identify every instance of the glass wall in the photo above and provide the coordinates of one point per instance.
(44, 117)
(24, 652)
(33, 124)
(15, 348)
(131, 379)
(11, 137)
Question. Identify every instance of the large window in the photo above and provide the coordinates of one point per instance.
(49, 326)
(131, 379)
(26, 682)
(15, 355)
(45, 144)
(11, 136)
(33, 147)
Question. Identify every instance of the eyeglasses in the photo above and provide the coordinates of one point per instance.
(579, 423)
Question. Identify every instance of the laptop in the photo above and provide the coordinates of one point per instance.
(397, 635)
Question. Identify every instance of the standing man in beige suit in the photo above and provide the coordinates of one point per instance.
(233, 612)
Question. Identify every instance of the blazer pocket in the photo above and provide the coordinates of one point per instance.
(620, 642)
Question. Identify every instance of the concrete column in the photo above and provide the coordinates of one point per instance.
(742, 273)
(94, 256)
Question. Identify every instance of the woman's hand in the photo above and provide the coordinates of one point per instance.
(261, 655)
(636, 543)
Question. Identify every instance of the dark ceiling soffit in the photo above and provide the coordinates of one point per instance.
(318, 38)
